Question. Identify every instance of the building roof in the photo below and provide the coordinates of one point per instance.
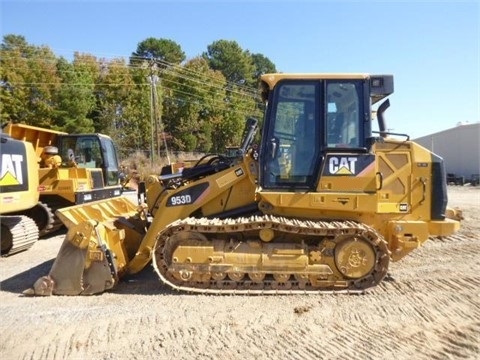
(460, 127)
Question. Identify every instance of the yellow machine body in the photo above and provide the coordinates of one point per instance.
(393, 196)
(72, 169)
(19, 194)
(324, 206)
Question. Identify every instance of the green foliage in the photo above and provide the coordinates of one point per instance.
(76, 98)
(194, 100)
(229, 58)
(262, 65)
(200, 105)
(29, 82)
(163, 50)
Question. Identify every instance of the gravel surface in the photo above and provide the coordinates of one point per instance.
(428, 308)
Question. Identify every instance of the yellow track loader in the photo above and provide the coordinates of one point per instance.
(324, 205)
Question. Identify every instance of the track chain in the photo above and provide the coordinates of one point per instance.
(19, 233)
(208, 228)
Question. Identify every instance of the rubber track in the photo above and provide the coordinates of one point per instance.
(255, 223)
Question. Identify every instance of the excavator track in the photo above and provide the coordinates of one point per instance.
(270, 255)
(19, 233)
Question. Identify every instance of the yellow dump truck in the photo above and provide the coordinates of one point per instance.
(74, 169)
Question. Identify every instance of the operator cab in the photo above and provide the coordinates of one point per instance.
(308, 117)
(94, 151)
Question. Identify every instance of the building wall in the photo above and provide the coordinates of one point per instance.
(459, 147)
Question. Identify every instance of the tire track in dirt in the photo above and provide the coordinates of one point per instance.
(361, 332)
(459, 342)
(429, 309)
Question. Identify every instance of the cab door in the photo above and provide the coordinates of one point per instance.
(291, 145)
(306, 121)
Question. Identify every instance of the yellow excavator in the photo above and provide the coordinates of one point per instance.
(324, 205)
(18, 194)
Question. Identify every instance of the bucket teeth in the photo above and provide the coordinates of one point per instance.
(42, 287)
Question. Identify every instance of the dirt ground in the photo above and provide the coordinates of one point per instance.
(428, 309)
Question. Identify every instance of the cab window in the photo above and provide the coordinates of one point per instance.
(343, 115)
(294, 141)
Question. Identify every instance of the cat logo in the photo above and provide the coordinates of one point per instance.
(11, 170)
(342, 165)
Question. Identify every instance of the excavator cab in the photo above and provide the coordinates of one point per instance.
(309, 118)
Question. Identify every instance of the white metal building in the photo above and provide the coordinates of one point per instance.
(459, 147)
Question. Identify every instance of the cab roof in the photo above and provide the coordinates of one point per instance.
(272, 79)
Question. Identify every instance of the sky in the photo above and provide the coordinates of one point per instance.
(431, 47)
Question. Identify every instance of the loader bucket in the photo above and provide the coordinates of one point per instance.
(102, 238)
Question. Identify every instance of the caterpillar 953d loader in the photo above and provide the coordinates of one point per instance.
(74, 169)
(324, 207)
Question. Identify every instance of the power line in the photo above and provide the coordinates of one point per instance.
(169, 68)
(187, 95)
(180, 83)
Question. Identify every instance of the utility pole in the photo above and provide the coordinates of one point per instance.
(152, 116)
(155, 118)
(152, 79)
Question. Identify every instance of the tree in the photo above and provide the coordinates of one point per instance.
(166, 52)
(76, 97)
(241, 70)
(28, 82)
(122, 106)
(194, 102)
(229, 58)
(202, 103)
(156, 56)
(239, 105)
(262, 65)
